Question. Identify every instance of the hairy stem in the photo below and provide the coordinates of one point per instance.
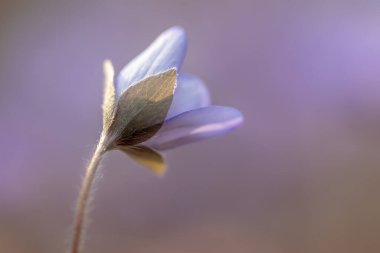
(84, 198)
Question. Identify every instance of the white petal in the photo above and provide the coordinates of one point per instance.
(196, 125)
(191, 93)
(166, 52)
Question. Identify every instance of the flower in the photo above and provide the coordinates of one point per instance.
(155, 107)
(151, 108)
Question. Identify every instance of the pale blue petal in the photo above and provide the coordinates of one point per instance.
(191, 93)
(196, 125)
(167, 51)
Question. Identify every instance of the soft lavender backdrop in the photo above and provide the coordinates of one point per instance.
(301, 175)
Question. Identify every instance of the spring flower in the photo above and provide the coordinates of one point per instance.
(155, 107)
(149, 107)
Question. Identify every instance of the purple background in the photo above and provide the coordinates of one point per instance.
(301, 175)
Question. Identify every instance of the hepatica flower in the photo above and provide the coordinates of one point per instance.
(149, 107)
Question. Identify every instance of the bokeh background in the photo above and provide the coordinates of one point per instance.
(301, 175)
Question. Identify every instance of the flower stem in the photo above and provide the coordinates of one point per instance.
(85, 197)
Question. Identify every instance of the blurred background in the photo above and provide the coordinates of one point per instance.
(301, 175)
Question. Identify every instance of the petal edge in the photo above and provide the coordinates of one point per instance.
(195, 125)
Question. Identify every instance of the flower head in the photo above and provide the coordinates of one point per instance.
(155, 107)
